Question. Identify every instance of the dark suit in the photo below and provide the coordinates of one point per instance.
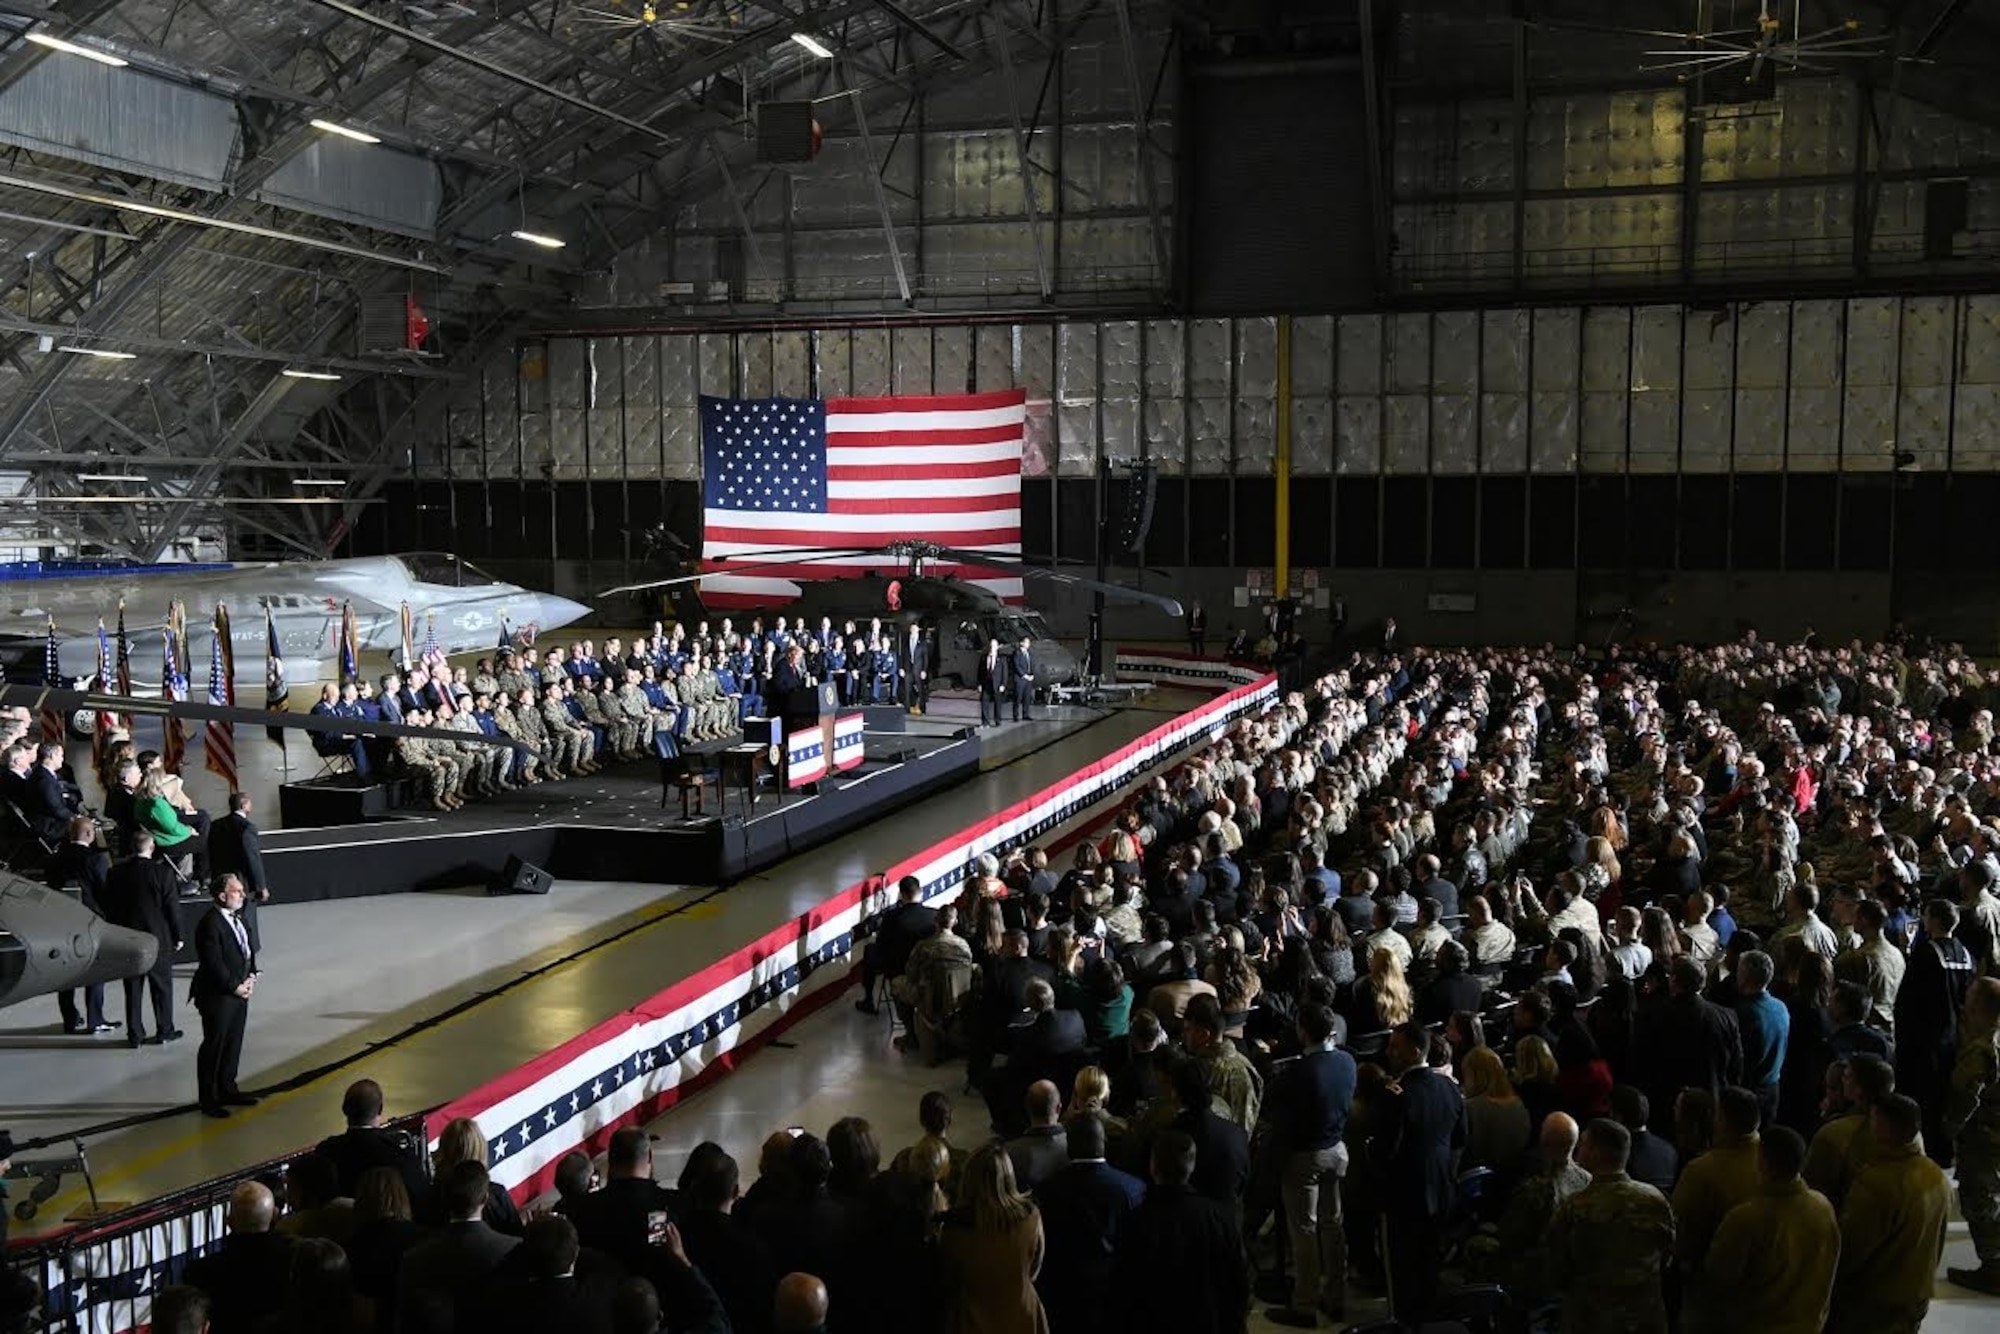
(577, 1304)
(447, 1276)
(246, 1279)
(1178, 1265)
(1221, 1155)
(86, 867)
(1426, 1127)
(1084, 1208)
(736, 1263)
(233, 849)
(616, 1219)
(359, 1148)
(47, 804)
(1690, 1042)
(1038, 1154)
(1021, 671)
(916, 665)
(141, 893)
(1442, 995)
(992, 685)
(900, 930)
(222, 964)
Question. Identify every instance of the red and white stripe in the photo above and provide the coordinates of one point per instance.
(946, 468)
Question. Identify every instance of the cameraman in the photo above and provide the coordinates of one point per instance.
(366, 1143)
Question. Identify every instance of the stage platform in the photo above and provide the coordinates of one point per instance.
(437, 994)
(613, 826)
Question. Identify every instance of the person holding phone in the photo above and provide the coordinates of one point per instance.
(629, 1217)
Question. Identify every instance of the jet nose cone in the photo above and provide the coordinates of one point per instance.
(557, 612)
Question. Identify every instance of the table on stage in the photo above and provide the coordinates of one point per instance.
(744, 765)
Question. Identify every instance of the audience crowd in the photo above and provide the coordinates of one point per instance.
(1645, 990)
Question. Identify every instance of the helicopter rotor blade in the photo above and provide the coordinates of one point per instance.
(61, 700)
(753, 561)
(973, 557)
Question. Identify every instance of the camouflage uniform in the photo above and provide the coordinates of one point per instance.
(569, 742)
(595, 717)
(639, 711)
(694, 698)
(445, 754)
(512, 681)
(524, 724)
(1609, 1247)
(1972, 1116)
(1233, 1082)
(486, 766)
(628, 729)
(416, 760)
(1513, 1256)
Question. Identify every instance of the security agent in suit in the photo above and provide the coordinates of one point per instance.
(225, 975)
(898, 933)
(993, 668)
(1425, 1129)
(80, 862)
(1178, 1262)
(1084, 1208)
(1021, 671)
(141, 893)
(234, 849)
(916, 666)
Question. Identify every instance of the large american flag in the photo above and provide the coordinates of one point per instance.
(784, 473)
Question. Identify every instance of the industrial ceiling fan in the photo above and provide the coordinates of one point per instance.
(1772, 44)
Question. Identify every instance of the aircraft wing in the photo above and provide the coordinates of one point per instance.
(37, 698)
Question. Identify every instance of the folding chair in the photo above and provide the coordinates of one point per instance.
(24, 844)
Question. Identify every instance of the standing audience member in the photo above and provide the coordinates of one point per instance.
(625, 1219)
(1718, 1180)
(992, 1248)
(1610, 1244)
(225, 977)
(1972, 1118)
(234, 849)
(140, 894)
(1425, 1131)
(1771, 1265)
(1084, 1210)
(80, 862)
(1307, 1105)
(444, 1282)
(1891, 1230)
(1178, 1264)
(1765, 1025)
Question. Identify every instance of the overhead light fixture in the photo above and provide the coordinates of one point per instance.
(72, 49)
(345, 131)
(102, 353)
(813, 45)
(300, 373)
(109, 477)
(542, 239)
(318, 481)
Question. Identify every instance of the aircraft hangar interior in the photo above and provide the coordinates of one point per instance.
(540, 541)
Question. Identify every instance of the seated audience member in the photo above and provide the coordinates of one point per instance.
(897, 934)
(384, 1232)
(367, 1143)
(801, 1306)
(551, 1283)
(445, 1282)
(625, 1218)
(461, 1141)
(732, 1258)
(246, 1277)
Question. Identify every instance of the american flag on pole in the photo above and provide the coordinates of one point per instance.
(124, 668)
(350, 645)
(277, 692)
(107, 681)
(219, 738)
(174, 682)
(52, 719)
(784, 473)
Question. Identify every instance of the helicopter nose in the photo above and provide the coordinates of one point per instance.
(552, 612)
(119, 953)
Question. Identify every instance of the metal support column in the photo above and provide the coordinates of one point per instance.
(1029, 185)
(1142, 133)
(1282, 465)
(881, 192)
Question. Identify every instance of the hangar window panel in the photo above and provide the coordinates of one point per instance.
(1809, 514)
(1924, 513)
(1967, 538)
(610, 519)
(1166, 544)
(1357, 523)
(1601, 523)
(1256, 531)
(1551, 523)
(1312, 521)
(538, 507)
(1454, 522)
(1503, 522)
(1704, 522)
(1653, 518)
(1866, 522)
(1076, 518)
(1405, 523)
(1037, 517)
(572, 537)
(1209, 515)
(1756, 531)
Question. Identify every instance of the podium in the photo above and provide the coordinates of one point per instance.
(808, 708)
